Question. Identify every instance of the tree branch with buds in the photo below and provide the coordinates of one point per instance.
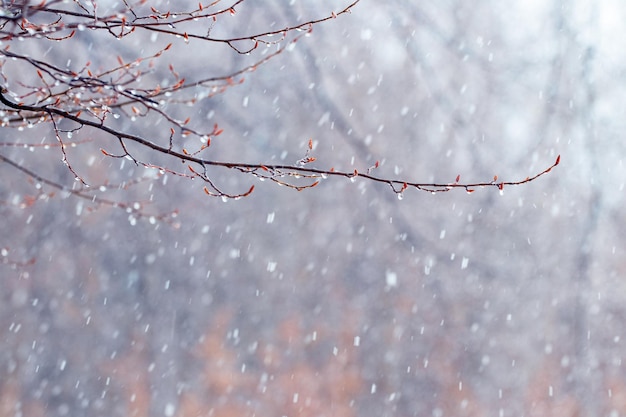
(68, 100)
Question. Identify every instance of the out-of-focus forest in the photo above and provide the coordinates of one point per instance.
(341, 300)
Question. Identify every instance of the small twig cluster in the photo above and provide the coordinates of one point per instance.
(136, 209)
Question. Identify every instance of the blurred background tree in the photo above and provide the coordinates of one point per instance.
(342, 301)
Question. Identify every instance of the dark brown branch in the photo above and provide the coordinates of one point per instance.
(160, 23)
(274, 172)
(113, 88)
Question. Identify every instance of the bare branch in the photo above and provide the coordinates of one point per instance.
(136, 209)
(90, 98)
(276, 173)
